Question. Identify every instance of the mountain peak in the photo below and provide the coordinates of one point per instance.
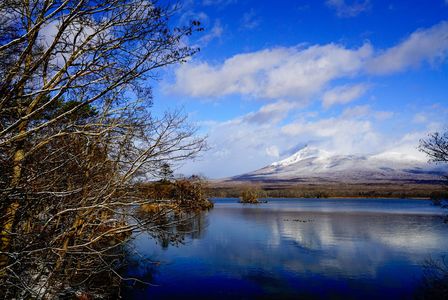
(304, 153)
(312, 165)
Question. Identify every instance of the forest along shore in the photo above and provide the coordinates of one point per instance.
(328, 190)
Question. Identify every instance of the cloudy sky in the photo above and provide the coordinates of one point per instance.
(348, 77)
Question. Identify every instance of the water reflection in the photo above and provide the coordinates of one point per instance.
(173, 229)
(298, 249)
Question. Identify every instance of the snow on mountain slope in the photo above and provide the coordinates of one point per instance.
(303, 154)
(311, 165)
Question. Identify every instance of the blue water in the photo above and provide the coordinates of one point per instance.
(294, 248)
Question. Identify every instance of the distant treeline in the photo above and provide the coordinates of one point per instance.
(331, 190)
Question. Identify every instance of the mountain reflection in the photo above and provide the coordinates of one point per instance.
(280, 249)
(350, 244)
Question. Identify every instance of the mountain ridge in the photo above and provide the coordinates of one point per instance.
(313, 165)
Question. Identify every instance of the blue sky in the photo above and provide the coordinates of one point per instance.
(349, 77)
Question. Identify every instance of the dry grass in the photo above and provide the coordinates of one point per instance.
(326, 190)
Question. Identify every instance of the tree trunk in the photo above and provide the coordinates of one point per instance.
(19, 154)
(13, 207)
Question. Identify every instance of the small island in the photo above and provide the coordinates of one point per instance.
(252, 196)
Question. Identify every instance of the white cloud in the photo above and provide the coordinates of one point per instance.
(270, 113)
(294, 73)
(345, 10)
(289, 78)
(358, 111)
(250, 20)
(217, 2)
(430, 45)
(73, 36)
(362, 111)
(241, 145)
(237, 147)
(300, 73)
(214, 33)
(384, 115)
(273, 151)
(340, 135)
(343, 94)
(420, 118)
(407, 146)
(189, 14)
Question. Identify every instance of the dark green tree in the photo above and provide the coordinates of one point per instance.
(166, 173)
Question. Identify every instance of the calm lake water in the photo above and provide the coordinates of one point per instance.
(294, 248)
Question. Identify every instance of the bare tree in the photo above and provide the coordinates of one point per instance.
(76, 133)
(436, 147)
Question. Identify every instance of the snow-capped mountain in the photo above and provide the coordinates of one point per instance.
(315, 165)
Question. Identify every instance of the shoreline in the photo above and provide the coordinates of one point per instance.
(336, 197)
(337, 191)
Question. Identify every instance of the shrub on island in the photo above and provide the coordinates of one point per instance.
(184, 194)
(250, 196)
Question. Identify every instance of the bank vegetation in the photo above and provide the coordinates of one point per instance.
(77, 137)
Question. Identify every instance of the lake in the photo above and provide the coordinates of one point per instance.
(294, 248)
